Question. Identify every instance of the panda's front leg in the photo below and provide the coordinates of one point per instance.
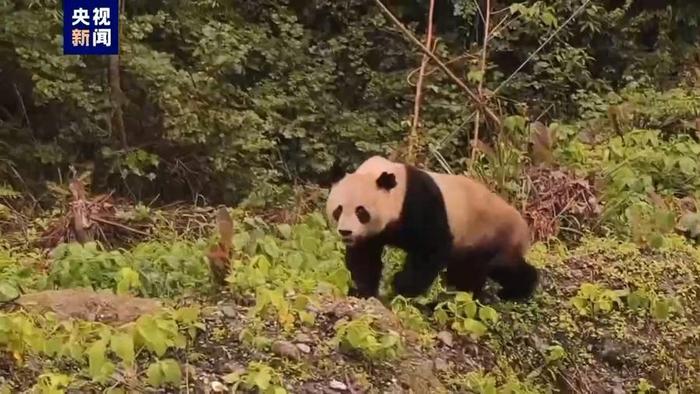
(364, 261)
(419, 272)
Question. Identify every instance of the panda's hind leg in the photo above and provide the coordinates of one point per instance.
(517, 277)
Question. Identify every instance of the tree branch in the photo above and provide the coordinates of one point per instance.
(437, 61)
(484, 51)
(116, 95)
(413, 136)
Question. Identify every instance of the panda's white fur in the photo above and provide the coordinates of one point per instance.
(359, 189)
(476, 217)
(476, 214)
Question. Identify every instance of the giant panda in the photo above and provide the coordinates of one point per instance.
(439, 220)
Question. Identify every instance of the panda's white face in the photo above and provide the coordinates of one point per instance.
(362, 205)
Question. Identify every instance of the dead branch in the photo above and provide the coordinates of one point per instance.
(116, 94)
(481, 105)
(413, 136)
(480, 92)
(220, 254)
(88, 218)
(80, 212)
(557, 196)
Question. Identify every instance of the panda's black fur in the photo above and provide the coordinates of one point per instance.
(423, 232)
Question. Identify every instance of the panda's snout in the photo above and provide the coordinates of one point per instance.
(346, 236)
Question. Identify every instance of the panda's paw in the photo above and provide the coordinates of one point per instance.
(405, 285)
(357, 293)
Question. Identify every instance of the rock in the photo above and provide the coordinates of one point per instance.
(440, 364)
(228, 311)
(217, 387)
(286, 349)
(303, 347)
(611, 353)
(336, 385)
(418, 377)
(445, 337)
(234, 366)
(303, 338)
(618, 390)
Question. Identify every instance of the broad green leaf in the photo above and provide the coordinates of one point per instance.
(475, 327)
(171, 371)
(154, 374)
(470, 308)
(262, 379)
(555, 352)
(285, 230)
(240, 240)
(128, 279)
(123, 346)
(636, 300)
(279, 390)
(8, 291)
(661, 309)
(488, 314)
(154, 339)
(99, 367)
(687, 165)
(270, 247)
(308, 244)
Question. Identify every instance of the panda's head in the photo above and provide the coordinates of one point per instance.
(363, 203)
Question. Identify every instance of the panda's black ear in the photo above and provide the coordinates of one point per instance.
(386, 181)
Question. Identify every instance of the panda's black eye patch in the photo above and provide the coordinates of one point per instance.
(362, 214)
(337, 212)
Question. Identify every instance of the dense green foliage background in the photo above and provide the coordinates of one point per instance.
(221, 98)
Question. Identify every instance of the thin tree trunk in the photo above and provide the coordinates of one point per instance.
(413, 140)
(116, 93)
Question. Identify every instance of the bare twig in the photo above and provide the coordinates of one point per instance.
(116, 93)
(24, 108)
(431, 70)
(480, 92)
(122, 226)
(578, 11)
(437, 61)
(413, 136)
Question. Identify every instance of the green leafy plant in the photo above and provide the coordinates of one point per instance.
(287, 313)
(304, 258)
(592, 299)
(361, 335)
(53, 383)
(466, 315)
(258, 376)
(100, 348)
(409, 314)
(162, 372)
(150, 269)
(658, 306)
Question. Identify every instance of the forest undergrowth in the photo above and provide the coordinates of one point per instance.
(146, 312)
